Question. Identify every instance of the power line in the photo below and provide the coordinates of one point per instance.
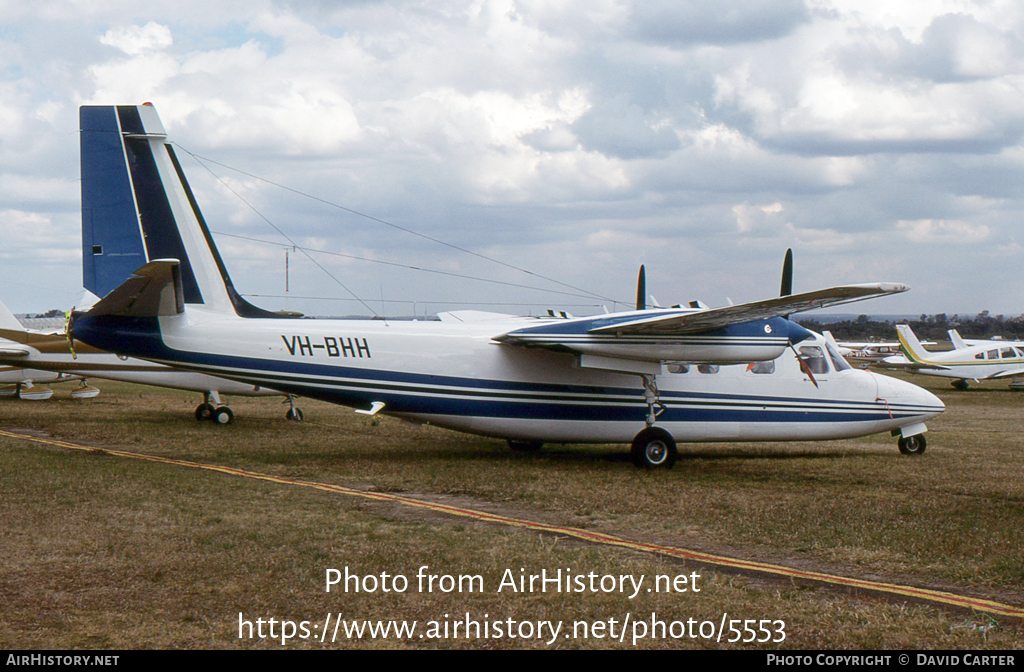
(201, 159)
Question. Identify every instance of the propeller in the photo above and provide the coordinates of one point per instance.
(641, 289)
(786, 290)
(68, 318)
(787, 274)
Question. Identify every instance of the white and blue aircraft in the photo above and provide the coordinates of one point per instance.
(651, 377)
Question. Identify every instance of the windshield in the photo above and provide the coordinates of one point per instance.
(839, 363)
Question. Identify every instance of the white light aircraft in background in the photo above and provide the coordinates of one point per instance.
(974, 360)
(16, 380)
(865, 353)
(651, 377)
(51, 358)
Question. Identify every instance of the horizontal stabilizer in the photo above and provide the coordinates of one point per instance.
(151, 291)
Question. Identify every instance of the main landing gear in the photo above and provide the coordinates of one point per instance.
(653, 447)
(293, 412)
(214, 409)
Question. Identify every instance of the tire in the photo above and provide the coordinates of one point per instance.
(654, 448)
(525, 446)
(294, 414)
(223, 416)
(913, 445)
(960, 384)
(204, 411)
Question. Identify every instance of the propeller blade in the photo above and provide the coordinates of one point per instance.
(787, 274)
(641, 289)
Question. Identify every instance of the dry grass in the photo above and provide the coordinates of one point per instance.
(100, 551)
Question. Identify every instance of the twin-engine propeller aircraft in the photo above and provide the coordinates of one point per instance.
(653, 377)
(974, 360)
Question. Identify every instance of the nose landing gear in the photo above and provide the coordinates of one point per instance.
(912, 445)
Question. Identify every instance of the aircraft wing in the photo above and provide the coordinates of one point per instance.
(748, 332)
(718, 318)
(10, 350)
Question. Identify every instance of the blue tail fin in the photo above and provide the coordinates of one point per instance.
(137, 206)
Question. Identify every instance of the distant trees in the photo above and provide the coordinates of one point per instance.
(927, 327)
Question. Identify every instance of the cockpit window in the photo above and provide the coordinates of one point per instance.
(1006, 353)
(814, 358)
(839, 362)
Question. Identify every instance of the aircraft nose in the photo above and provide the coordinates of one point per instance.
(909, 399)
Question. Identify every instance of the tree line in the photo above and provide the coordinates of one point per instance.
(927, 327)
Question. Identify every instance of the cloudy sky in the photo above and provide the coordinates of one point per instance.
(551, 146)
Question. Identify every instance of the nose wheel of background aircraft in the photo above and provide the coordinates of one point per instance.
(654, 448)
(912, 445)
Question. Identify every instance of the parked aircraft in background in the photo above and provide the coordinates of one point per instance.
(16, 379)
(976, 360)
(653, 377)
(52, 360)
(865, 353)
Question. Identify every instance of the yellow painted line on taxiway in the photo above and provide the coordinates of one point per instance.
(913, 592)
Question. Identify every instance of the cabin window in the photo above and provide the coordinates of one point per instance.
(839, 363)
(678, 368)
(992, 354)
(708, 368)
(814, 358)
(762, 367)
(980, 355)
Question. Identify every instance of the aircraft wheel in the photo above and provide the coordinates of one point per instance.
(960, 384)
(204, 411)
(913, 445)
(525, 446)
(654, 448)
(294, 414)
(223, 416)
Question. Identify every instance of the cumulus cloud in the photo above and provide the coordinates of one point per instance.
(577, 139)
(135, 40)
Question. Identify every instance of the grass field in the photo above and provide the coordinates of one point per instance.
(102, 551)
